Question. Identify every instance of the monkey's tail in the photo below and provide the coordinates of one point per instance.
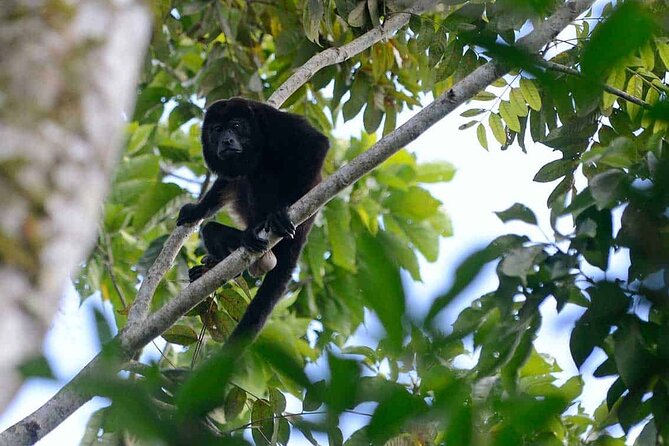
(287, 253)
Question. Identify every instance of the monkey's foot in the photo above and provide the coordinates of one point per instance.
(253, 242)
(208, 262)
(279, 222)
(196, 272)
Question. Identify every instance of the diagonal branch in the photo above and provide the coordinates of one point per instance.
(134, 337)
(334, 55)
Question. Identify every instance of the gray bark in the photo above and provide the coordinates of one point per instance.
(67, 76)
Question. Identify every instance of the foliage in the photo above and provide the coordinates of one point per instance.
(420, 394)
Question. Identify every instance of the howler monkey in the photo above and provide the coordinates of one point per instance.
(264, 161)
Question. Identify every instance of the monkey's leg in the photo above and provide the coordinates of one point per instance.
(279, 222)
(220, 240)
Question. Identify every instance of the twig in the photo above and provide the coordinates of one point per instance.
(168, 172)
(336, 55)
(614, 91)
(291, 415)
(136, 336)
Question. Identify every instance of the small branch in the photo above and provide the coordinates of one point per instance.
(138, 334)
(336, 55)
(205, 185)
(168, 172)
(609, 89)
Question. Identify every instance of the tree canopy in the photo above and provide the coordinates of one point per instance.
(595, 93)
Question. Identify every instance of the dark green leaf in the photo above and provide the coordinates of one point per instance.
(518, 212)
(180, 335)
(628, 28)
(554, 170)
(234, 403)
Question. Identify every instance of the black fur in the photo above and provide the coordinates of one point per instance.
(264, 160)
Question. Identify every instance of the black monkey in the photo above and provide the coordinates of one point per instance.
(264, 160)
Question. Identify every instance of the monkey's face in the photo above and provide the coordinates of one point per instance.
(230, 137)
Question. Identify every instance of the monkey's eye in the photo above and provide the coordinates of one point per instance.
(217, 128)
(235, 125)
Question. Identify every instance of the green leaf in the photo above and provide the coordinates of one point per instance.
(401, 253)
(357, 99)
(607, 188)
(554, 170)
(391, 414)
(634, 361)
(277, 346)
(181, 114)
(472, 112)
(469, 269)
(139, 137)
(520, 262)
(381, 288)
(36, 367)
(620, 153)
(628, 28)
(530, 93)
(234, 403)
(371, 118)
(357, 16)
(415, 203)
(153, 201)
(466, 125)
(180, 335)
(233, 301)
(616, 80)
(425, 238)
(342, 241)
(344, 383)
(138, 167)
(263, 422)
(484, 96)
(509, 116)
(634, 88)
(518, 104)
(313, 13)
(518, 212)
(663, 51)
(481, 135)
(497, 128)
(435, 172)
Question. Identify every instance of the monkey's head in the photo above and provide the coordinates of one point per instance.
(231, 138)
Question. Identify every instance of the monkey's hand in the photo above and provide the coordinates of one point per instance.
(189, 213)
(279, 222)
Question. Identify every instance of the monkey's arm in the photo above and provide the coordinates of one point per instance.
(210, 203)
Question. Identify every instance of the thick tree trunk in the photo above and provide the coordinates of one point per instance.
(67, 76)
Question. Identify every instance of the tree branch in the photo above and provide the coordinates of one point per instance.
(334, 55)
(136, 336)
(614, 91)
(64, 91)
